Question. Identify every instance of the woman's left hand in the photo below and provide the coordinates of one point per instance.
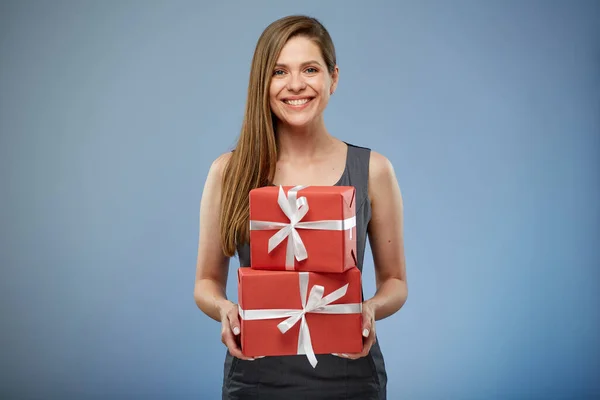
(368, 332)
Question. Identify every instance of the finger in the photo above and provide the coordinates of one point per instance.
(234, 348)
(234, 321)
(367, 344)
(229, 340)
(356, 356)
(341, 355)
(367, 325)
(225, 330)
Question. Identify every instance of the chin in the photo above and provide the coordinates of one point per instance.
(297, 122)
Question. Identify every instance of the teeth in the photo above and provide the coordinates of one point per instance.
(296, 102)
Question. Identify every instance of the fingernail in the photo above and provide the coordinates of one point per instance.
(344, 355)
(366, 333)
(236, 331)
(259, 357)
(335, 354)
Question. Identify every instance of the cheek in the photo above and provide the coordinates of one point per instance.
(324, 89)
(275, 89)
(323, 86)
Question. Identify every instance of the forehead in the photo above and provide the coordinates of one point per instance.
(300, 49)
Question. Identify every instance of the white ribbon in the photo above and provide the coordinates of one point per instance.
(316, 303)
(295, 209)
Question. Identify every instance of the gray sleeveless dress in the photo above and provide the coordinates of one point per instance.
(292, 377)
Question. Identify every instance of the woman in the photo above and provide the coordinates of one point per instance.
(284, 141)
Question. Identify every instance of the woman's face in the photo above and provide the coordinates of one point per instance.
(301, 85)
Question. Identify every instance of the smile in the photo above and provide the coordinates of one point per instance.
(297, 102)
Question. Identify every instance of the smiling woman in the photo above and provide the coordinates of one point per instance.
(284, 141)
(300, 85)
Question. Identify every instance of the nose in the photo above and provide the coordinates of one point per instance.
(296, 83)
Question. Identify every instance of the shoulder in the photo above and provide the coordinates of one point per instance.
(382, 177)
(218, 166)
(220, 163)
(366, 149)
(216, 172)
(380, 168)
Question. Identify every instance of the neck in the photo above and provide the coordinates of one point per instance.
(303, 143)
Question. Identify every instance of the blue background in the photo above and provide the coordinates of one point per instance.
(112, 112)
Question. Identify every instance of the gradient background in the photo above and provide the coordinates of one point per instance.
(111, 113)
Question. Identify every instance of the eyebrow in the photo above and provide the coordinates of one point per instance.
(303, 64)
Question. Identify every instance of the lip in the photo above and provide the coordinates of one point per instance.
(297, 98)
(298, 107)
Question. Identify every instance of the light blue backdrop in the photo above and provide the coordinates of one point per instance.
(111, 113)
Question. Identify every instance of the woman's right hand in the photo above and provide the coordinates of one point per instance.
(230, 330)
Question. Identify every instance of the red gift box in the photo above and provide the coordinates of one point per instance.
(276, 320)
(303, 228)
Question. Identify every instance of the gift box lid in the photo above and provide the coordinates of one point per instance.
(281, 289)
(321, 204)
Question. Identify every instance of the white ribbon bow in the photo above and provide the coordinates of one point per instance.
(295, 209)
(316, 303)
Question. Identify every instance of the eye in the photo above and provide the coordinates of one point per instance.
(278, 72)
(311, 70)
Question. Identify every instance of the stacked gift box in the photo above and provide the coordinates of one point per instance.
(302, 294)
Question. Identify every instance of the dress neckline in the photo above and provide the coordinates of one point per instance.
(344, 172)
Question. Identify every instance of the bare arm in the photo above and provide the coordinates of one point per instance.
(212, 265)
(386, 238)
(387, 245)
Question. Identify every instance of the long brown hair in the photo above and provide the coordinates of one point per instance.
(252, 164)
